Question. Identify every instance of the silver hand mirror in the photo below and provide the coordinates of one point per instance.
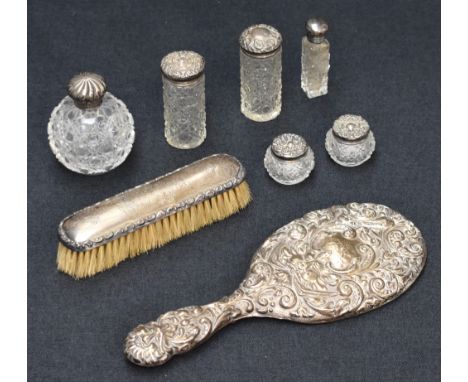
(330, 264)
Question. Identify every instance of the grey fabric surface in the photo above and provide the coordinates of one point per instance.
(385, 65)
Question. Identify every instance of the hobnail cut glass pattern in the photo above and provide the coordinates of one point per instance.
(315, 66)
(260, 86)
(91, 141)
(349, 153)
(289, 171)
(184, 112)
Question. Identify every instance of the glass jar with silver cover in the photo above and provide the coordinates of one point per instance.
(184, 99)
(289, 159)
(350, 142)
(260, 72)
(91, 131)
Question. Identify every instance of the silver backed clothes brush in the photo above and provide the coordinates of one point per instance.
(330, 264)
(148, 216)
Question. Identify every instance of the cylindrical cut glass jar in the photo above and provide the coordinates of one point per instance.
(260, 72)
(184, 99)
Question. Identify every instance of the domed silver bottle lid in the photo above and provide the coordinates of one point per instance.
(183, 65)
(260, 39)
(289, 159)
(350, 142)
(316, 28)
(87, 90)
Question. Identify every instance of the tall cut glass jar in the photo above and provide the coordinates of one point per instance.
(260, 72)
(184, 99)
(315, 59)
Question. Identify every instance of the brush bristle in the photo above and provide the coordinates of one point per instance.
(88, 263)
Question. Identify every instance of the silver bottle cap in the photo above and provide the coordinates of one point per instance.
(289, 159)
(316, 28)
(260, 39)
(183, 65)
(350, 142)
(87, 90)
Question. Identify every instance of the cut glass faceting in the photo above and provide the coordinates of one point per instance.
(315, 66)
(91, 141)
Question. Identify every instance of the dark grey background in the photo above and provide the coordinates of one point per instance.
(385, 65)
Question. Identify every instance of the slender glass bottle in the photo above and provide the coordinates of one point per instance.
(184, 99)
(260, 72)
(91, 131)
(315, 59)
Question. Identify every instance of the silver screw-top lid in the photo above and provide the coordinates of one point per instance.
(87, 89)
(351, 127)
(316, 28)
(289, 146)
(183, 65)
(260, 39)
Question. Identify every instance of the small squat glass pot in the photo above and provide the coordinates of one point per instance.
(260, 72)
(350, 142)
(289, 160)
(184, 99)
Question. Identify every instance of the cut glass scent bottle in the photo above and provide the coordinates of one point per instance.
(90, 131)
(315, 59)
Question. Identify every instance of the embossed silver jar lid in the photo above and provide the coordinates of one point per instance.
(289, 146)
(316, 28)
(350, 142)
(260, 39)
(351, 127)
(183, 65)
(87, 89)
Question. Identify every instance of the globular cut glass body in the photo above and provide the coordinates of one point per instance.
(260, 85)
(315, 62)
(289, 172)
(91, 141)
(184, 112)
(349, 154)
